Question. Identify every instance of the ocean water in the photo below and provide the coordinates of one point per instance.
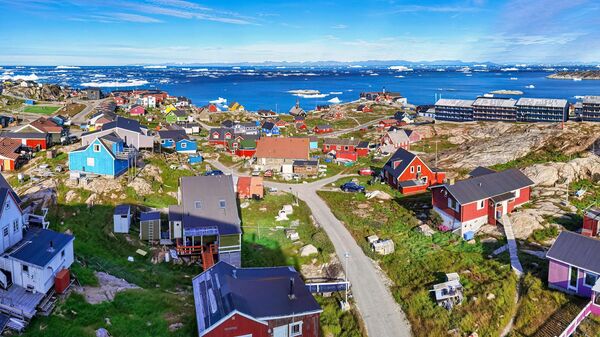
(269, 88)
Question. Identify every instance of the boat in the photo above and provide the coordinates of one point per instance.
(577, 79)
(513, 78)
(531, 86)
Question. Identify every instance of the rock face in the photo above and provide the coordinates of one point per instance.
(550, 174)
(108, 287)
(43, 92)
(308, 250)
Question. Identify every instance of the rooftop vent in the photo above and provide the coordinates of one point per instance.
(292, 295)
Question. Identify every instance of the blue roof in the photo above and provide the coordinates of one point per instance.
(261, 293)
(122, 209)
(147, 216)
(41, 246)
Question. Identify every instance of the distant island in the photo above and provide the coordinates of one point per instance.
(506, 92)
(577, 75)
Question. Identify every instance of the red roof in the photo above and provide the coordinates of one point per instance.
(46, 125)
(9, 147)
(283, 148)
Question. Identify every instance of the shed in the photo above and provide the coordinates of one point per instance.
(383, 247)
(122, 219)
(150, 226)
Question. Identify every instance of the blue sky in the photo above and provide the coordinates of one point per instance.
(116, 32)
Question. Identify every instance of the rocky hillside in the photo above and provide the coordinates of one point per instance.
(488, 144)
(45, 92)
(584, 75)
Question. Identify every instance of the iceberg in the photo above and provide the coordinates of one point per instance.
(115, 84)
(400, 68)
(67, 67)
(334, 100)
(219, 100)
(531, 86)
(155, 67)
(335, 92)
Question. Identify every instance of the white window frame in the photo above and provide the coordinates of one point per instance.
(517, 193)
(412, 169)
(419, 168)
(480, 204)
(295, 324)
(90, 162)
(569, 279)
(15, 225)
(96, 148)
(198, 204)
(222, 204)
(183, 145)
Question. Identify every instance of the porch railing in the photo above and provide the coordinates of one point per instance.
(585, 312)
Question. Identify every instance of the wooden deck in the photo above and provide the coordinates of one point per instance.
(16, 301)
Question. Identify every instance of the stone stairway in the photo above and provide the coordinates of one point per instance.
(512, 245)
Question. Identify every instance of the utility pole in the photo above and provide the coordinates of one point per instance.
(346, 256)
(436, 153)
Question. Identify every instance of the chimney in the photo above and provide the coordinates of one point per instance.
(51, 246)
(291, 295)
(234, 272)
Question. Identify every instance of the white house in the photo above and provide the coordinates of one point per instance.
(122, 219)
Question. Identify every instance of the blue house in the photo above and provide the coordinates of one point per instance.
(270, 129)
(106, 155)
(314, 142)
(177, 140)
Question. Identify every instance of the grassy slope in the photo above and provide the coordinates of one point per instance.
(419, 262)
(41, 109)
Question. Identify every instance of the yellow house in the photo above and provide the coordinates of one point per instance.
(170, 108)
(235, 106)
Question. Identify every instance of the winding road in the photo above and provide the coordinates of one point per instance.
(381, 314)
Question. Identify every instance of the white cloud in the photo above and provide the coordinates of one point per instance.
(340, 26)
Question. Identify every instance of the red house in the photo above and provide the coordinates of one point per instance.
(395, 139)
(137, 110)
(220, 136)
(484, 198)
(257, 302)
(409, 173)
(323, 129)
(364, 108)
(119, 100)
(340, 145)
(591, 222)
(386, 123)
(33, 140)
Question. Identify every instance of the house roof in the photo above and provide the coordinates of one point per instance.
(175, 135)
(122, 209)
(6, 189)
(40, 246)
(341, 141)
(576, 250)
(591, 100)
(124, 123)
(9, 148)
(306, 162)
(479, 171)
(458, 103)
(403, 158)
(268, 125)
(261, 293)
(179, 113)
(23, 135)
(488, 185)
(593, 214)
(209, 191)
(283, 148)
(543, 102)
(495, 102)
(398, 136)
(46, 125)
(149, 216)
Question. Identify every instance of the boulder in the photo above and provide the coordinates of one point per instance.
(308, 250)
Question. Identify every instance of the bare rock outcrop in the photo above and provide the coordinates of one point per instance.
(550, 174)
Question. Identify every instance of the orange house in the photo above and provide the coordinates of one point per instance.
(250, 187)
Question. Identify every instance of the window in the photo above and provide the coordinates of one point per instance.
(418, 168)
(25, 268)
(5, 231)
(480, 204)
(296, 329)
(96, 147)
(62, 253)
(222, 203)
(517, 193)
(7, 205)
(90, 162)
(197, 204)
(15, 226)
(162, 141)
(346, 148)
(412, 169)
(183, 145)
(590, 279)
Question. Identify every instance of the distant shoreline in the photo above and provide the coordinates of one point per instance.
(576, 75)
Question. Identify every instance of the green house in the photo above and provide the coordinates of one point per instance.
(176, 116)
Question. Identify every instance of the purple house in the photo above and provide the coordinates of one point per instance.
(574, 265)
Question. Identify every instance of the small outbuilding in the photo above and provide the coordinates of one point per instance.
(122, 219)
(383, 247)
(150, 226)
(449, 293)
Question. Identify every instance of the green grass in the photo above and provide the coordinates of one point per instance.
(428, 145)
(419, 262)
(592, 196)
(537, 157)
(335, 322)
(41, 109)
(542, 235)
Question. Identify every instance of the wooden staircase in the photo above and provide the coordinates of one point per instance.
(560, 320)
(208, 256)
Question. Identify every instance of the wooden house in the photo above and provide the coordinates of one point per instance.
(257, 302)
(485, 198)
(235, 106)
(10, 154)
(44, 125)
(393, 140)
(275, 153)
(107, 155)
(130, 131)
(409, 174)
(270, 129)
(364, 108)
(33, 140)
(591, 223)
(176, 116)
(250, 188)
(150, 226)
(177, 140)
(341, 145)
(137, 110)
(296, 110)
(323, 128)
(122, 219)
(206, 221)
(306, 168)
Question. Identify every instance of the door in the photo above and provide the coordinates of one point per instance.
(573, 277)
(5, 237)
(280, 331)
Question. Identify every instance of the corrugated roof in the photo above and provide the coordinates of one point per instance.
(41, 246)
(488, 185)
(494, 102)
(402, 158)
(122, 209)
(257, 292)
(175, 135)
(542, 102)
(479, 171)
(576, 250)
(591, 100)
(9, 148)
(148, 216)
(209, 201)
(282, 148)
(341, 141)
(462, 103)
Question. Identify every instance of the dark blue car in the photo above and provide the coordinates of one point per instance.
(214, 173)
(352, 187)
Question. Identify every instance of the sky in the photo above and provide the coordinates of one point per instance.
(120, 32)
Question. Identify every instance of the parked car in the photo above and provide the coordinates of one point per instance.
(214, 173)
(352, 187)
(255, 173)
(68, 140)
(268, 173)
(366, 171)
